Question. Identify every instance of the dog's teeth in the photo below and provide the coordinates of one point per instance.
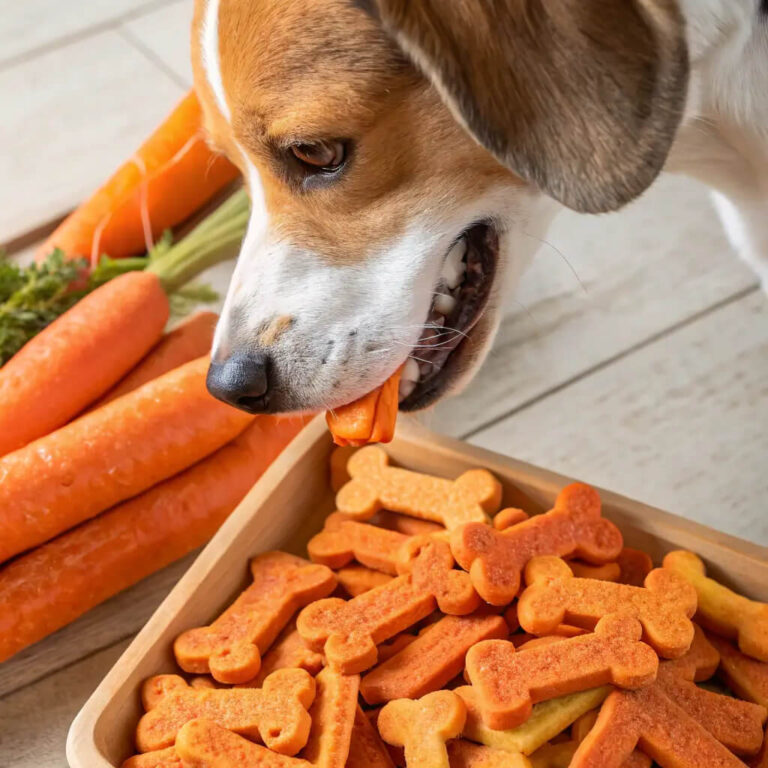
(454, 267)
(405, 388)
(444, 303)
(410, 372)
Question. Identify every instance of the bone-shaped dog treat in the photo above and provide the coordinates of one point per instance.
(349, 631)
(746, 677)
(276, 713)
(344, 540)
(161, 758)
(606, 572)
(423, 726)
(366, 749)
(230, 648)
(721, 610)
(761, 759)
(357, 579)
(508, 683)
(509, 517)
(376, 485)
(635, 565)
(203, 744)
(495, 559)
(433, 659)
(410, 526)
(664, 606)
(586, 723)
(647, 718)
(548, 719)
(333, 718)
(465, 754)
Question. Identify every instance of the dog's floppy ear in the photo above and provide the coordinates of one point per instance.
(580, 97)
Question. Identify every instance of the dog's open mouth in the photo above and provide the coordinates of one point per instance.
(460, 299)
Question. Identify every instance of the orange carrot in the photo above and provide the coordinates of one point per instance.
(54, 584)
(110, 455)
(171, 176)
(79, 356)
(189, 340)
(371, 419)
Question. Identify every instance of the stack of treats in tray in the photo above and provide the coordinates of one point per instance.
(428, 629)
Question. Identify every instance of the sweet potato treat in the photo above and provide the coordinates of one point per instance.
(357, 579)
(465, 754)
(746, 677)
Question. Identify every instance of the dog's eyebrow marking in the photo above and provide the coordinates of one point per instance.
(210, 47)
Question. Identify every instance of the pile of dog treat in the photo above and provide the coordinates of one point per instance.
(549, 645)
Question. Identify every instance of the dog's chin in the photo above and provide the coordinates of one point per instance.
(455, 342)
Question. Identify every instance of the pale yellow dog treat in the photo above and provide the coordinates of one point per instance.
(465, 754)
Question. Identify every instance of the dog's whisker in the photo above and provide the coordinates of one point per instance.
(420, 360)
(562, 256)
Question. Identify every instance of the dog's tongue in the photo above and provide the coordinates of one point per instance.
(371, 419)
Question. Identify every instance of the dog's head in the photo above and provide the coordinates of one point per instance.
(402, 157)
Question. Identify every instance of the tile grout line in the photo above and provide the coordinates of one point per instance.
(151, 56)
(636, 347)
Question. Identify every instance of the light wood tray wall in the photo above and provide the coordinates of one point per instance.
(288, 505)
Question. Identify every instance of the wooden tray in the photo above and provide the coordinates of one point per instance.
(288, 505)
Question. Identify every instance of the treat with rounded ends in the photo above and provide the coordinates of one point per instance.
(432, 659)
(746, 677)
(465, 754)
(575, 526)
(376, 485)
(366, 749)
(606, 572)
(584, 725)
(547, 720)
(423, 726)
(276, 713)
(410, 526)
(349, 631)
(161, 758)
(230, 649)
(554, 755)
(635, 565)
(664, 606)
(509, 517)
(508, 683)
(343, 540)
(699, 662)
(357, 579)
(203, 744)
(333, 718)
(761, 759)
(721, 610)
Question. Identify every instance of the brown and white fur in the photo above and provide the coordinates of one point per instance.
(453, 112)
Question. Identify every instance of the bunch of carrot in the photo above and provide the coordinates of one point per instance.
(114, 459)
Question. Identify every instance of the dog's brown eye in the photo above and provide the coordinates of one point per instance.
(320, 155)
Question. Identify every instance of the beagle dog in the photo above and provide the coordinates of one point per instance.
(404, 156)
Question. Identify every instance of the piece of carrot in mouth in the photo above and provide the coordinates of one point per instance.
(371, 419)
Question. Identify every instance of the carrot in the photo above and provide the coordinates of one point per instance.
(189, 340)
(171, 176)
(54, 584)
(79, 356)
(110, 455)
(371, 419)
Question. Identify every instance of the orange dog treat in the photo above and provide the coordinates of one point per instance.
(664, 606)
(230, 649)
(495, 559)
(465, 754)
(508, 683)
(721, 610)
(367, 750)
(333, 718)
(635, 565)
(161, 758)
(607, 572)
(584, 725)
(433, 659)
(203, 744)
(509, 517)
(349, 631)
(746, 677)
(422, 727)
(376, 485)
(276, 713)
(203, 681)
(392, 648)
(340, 455)
(357, 579)
(410, 526)
(344, 540)
(761, 759)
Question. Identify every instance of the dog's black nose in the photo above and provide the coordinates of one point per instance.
(242, 381)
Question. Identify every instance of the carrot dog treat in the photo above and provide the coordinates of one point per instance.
(394, 646)
(495, 559)
(509, 517)
(508, 683)
(664, 606)
(465, 754)
(584, 725)
(276, 713)
(410, 526)
(348, 631)
(344, 540)
(357, 579)
(547, 720)
(721, 610)
(230, 648)
(333, 717)
(203, 744)
(746, 677)
(423, 726)
(635, 565)
(161, 758)
(433, 659)
(376, 485)
(366, 749)
(606, 572)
